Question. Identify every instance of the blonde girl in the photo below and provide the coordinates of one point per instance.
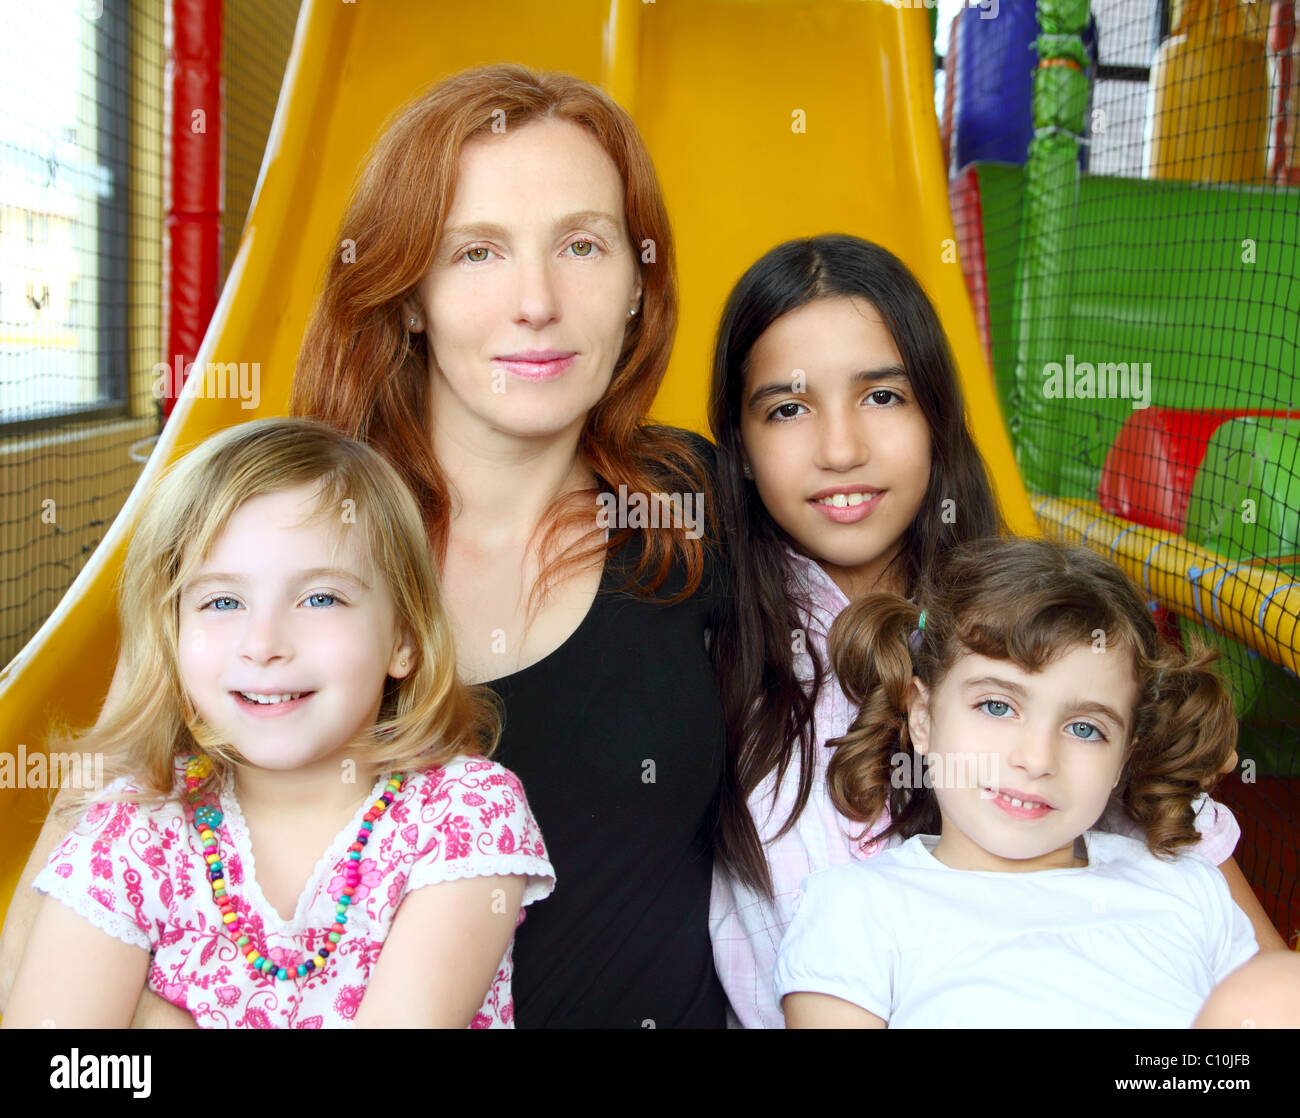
(303, 829)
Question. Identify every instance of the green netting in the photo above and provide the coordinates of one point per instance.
(1143, 318)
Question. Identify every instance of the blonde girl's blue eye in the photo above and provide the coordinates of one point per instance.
(322, 598)
(995, 707)
(780, 413)
(1089, 731)
(216, 605)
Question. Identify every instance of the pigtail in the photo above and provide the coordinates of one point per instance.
(1185, 735)
(870, 655)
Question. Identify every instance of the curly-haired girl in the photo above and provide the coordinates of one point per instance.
(1000, 714)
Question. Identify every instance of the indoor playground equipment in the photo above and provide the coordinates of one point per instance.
(759, 133)
(771, 119)
(1141, 318)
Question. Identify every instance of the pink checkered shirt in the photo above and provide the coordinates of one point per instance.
(746, 927)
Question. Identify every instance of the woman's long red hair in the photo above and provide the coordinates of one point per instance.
(363, 373)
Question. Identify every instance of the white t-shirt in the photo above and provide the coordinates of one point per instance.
(1127, 941)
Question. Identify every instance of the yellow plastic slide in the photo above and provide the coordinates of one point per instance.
(767, 120)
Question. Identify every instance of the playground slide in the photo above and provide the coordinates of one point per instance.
(766, 121)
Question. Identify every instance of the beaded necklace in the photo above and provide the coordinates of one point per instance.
(207, 818)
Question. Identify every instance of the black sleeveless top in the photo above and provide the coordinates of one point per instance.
(618, 739)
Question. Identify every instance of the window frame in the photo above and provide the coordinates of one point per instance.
(112, 47)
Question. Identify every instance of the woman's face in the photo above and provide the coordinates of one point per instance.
(838, 446)
(526, 306)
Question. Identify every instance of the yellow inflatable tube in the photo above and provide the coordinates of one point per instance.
(767, 119)
(1254, 603)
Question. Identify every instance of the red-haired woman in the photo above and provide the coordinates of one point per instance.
(499, 333)
(497, 325)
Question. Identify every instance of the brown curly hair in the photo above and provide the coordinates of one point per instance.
(1028, 601)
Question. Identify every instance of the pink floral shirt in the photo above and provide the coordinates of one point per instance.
(746, 927)
(138, 874)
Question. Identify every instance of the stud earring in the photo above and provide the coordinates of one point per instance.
(748, 472)
(412, 322)
(632, 313)
(403, 663)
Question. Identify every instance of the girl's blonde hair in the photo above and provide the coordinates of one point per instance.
(424, 720)
(1026, 601)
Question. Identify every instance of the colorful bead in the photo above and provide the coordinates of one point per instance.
(207, 818)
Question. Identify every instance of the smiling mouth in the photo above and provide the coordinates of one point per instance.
(531, 367)
(845, 500)
(849, 506)
(274, 699)
(1019, 804)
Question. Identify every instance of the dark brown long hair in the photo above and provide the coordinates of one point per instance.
(363, 373)
(1026, 601)
(768, 710)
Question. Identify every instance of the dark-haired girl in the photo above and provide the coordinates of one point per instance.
(845, 467)
(1027, 688)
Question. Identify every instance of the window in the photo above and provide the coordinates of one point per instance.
(64, 73)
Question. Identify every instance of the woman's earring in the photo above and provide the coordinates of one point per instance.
(412, 322)
(632, 313)
(748, 471)
(403, 663)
